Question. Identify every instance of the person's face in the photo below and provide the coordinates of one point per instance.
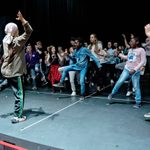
(115, 44)
(53, 50)
(39, 44)
(109, 44)
(29, 48)
(92, 38)
(72, 42)
(15, 34)
(71, 49)
(77, 44)
(133, 43)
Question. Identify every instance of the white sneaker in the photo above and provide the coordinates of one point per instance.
(147, 116)
(66, 78)
(112, 81)
(133, 89)
(34, 88)
(129, 93)
(16, 119)
(73, 94)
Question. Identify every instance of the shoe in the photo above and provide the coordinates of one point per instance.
(73, 94)
(17, 120)
(110, 98)
(136, 106)
(129, 93)
(44, 83)
(133, 90)
(126, 81)
(98, 88)
(66, 79)
(34, 88)
(147, 116)
(82, 98)
(112, 81)
(58, 85)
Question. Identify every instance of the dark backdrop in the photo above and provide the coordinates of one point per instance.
(54, 21)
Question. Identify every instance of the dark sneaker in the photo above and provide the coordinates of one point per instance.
(58, 85)
(136, 106)
(17, 120)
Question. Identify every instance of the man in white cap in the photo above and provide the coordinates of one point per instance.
(14, 65)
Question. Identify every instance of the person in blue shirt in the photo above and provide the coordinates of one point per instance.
(81, 55)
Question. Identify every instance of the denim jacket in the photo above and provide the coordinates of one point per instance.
(82, 57)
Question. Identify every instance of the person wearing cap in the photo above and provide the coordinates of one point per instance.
(14, 65)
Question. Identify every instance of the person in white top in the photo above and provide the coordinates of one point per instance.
(95, 47)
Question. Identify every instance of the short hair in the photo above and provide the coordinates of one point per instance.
(79, 39)
(72, 38)
(11, 28)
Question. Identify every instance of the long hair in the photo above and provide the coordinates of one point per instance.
(96, 44)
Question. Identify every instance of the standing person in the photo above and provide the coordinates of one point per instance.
(81, 55)
(147, 47)
(136, 59)
(95, 47)
(72, 74)
(14, 65)
(41, 65)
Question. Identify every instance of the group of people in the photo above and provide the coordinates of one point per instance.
(14, 64)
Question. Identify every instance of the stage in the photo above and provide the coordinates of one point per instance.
(68, 123)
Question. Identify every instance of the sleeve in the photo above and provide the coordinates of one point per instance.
(96, 60)
(22, 39)
(143, 60)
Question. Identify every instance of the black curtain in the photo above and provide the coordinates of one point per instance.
(55, 21)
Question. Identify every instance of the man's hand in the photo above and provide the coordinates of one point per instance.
(147, 30)
(132, 71)
(21, 18)
(124, 36)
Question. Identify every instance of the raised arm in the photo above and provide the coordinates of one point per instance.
(147, 30)
(125, 41)
(21, 18)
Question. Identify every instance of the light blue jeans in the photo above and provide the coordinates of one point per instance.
(82, 75)
(135, 82)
